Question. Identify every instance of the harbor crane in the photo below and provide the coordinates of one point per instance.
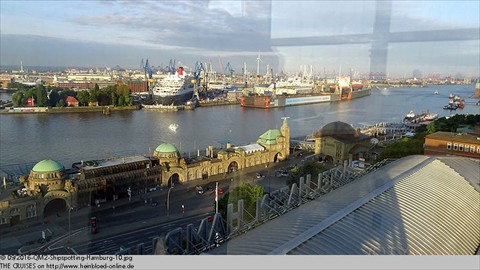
(197, 76)
(229, 68)
(145, 66)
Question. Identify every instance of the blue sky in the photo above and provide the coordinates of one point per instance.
(109, 33)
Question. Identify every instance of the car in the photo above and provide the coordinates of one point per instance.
(259, 175)
(199, 189)
(210, 219)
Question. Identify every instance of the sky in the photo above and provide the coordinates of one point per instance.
(109, 33)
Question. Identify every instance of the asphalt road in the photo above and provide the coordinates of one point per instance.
(127, 223)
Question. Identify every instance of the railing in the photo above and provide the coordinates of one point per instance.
(211, 234)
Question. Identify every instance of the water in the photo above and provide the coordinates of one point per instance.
(70, 138)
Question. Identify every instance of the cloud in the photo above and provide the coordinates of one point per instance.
(183, 23)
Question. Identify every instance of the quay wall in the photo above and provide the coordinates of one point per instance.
(23, 110)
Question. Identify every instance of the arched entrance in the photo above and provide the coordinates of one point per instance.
(233, 167)
(278, 156)
(173, 180)
(55, 207)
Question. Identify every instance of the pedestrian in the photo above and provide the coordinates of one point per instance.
(183, 209)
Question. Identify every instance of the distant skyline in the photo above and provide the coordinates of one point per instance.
(109, 33)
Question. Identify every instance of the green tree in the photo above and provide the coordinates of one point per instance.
(123, 93)
(54, 97)
(431, 128)
(248, 193)
(60, 103)
(41, 96)
(18, 98)
(310, 167)
(403, 148)
(83, 97)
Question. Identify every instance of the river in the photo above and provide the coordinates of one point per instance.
(68, 138)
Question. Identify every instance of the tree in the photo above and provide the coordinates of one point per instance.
(248, 193)
(309, 168)
(123, 93)
(18, 97)
(41, 96)
(54, 97)
(431, 128)
(83, 97)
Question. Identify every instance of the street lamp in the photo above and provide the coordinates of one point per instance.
(168, 200)
(69, 223)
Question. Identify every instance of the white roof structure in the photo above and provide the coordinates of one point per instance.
(116, 161)
(417, 205)
(251, 148)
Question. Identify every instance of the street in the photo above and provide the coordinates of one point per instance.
(127, 223)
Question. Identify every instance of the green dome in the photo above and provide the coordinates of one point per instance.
(48, 165)
(166, 148)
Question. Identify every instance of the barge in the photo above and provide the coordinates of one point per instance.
(277, 101)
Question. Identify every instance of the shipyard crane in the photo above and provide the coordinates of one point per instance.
(171, 66)
(197, 77)
(145, 66)
(229, 68)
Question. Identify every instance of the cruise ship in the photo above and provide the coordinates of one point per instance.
(174, 89)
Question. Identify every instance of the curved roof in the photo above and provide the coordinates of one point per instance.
(417, 205)
(48, 165)
(166, 148)
(337, 128)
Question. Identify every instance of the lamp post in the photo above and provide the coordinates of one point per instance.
(69, 223)
(168, 200)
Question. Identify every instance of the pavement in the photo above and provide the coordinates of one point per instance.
(51, 235)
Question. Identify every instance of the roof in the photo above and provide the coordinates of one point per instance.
(415, 205)
(459, 137)
(71, 99)
(166, 148)
(251, 148)
(269, 137)
(337, 128)
(115, 161)
(48, 165)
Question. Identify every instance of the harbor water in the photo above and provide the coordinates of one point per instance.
(28, 138)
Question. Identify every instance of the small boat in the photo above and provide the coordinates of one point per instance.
(410, 115)
(429, 117)
(436, 92)
(450, 106)
(173, 127)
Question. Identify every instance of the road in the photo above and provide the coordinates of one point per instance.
(128, 223)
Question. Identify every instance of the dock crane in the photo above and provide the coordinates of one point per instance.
(171, 66)
(197, 77)
(145, 66)
(229, 68)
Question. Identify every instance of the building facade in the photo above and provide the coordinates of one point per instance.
(272, 146)
(50, 188)
(338, 142)
(452, 144)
